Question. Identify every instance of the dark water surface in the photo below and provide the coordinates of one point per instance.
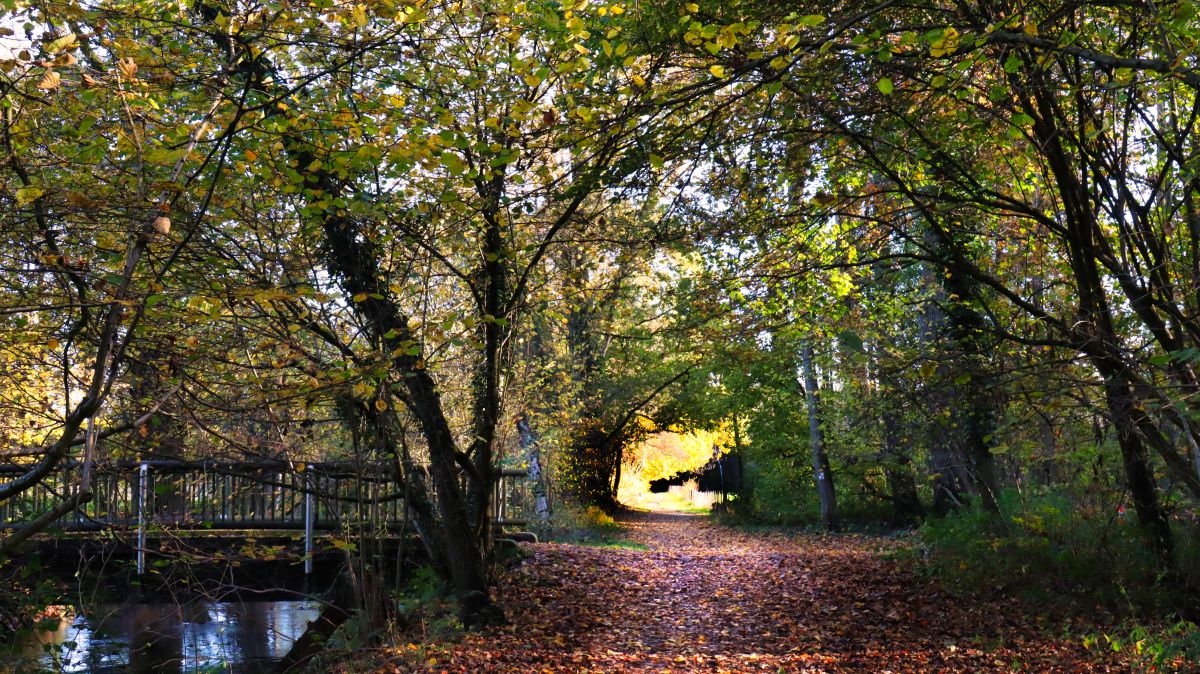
(198, 636)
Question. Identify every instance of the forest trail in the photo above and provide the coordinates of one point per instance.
(705, 598)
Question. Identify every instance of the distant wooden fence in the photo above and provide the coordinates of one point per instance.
(692, 494)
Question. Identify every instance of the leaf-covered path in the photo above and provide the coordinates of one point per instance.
(703, 598)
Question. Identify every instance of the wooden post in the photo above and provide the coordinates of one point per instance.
(143, 484)
(308, 527)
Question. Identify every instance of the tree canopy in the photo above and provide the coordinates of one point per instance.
(906, 260)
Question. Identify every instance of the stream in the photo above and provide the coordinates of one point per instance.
(197, 636)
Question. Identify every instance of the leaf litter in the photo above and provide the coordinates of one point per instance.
(707, 598)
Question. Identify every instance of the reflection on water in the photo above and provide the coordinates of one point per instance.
(194, 637)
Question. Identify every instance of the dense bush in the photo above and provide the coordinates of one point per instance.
(1054, 553)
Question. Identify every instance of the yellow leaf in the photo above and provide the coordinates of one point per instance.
(617, 9)
(717, 71)
(27, 195)
(693, 7)
(251, 155)
(361, 297)
(380, 405)
(52, 345)
(61, 43)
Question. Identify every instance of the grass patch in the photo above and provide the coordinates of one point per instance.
(591, 527)
(609, 542)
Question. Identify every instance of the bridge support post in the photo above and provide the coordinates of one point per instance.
(308, 527)
(143, 489)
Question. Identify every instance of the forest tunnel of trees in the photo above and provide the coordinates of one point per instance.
(915, 264)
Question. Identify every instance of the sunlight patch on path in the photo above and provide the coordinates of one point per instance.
(667, 503)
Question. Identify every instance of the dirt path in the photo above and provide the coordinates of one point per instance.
(704, 598)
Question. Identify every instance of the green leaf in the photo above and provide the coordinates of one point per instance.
(885, 86)
(61, 43)
(166, 156)
(453, 163)
(343, 545)
(851, 340)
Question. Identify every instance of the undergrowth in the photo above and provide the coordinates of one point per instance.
(1045, 551)
(1062, 559)
(590, 526)
(1172, 647)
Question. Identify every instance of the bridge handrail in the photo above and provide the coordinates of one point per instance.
(329, 468)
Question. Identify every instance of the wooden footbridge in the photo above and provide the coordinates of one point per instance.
(138, 497)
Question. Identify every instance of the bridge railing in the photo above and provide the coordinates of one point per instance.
(234, 495)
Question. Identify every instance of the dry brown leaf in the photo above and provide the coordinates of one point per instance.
(51, 80)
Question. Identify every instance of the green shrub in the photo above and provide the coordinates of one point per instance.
(1046, 551)
(1153, 649)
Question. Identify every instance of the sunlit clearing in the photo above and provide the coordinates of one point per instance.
(666, 455)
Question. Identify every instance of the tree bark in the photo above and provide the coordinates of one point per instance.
(822, 473)
(897, 467)
(1138, 475)
(529, 445)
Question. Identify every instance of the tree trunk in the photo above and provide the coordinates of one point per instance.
(352, 257)
(897, 467)
(1101, 343)
(951, 483)
(1138, 475)
(820, 460)
(529, 445)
